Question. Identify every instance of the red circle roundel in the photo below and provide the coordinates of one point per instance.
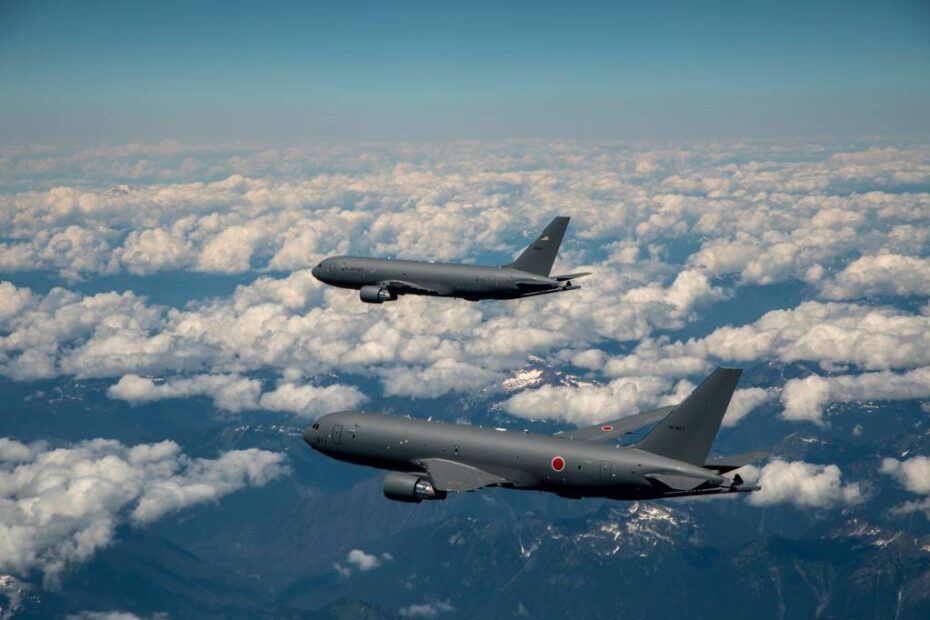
(607, 428)
(558, 463)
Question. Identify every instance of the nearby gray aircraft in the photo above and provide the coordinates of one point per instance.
(379, 280)
(426, 460)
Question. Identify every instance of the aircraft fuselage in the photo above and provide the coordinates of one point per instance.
(439, 279)
(529, 461)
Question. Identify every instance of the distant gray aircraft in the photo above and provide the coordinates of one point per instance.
(379, 280)
(426, 460)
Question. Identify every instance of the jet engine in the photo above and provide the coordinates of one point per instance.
(402, 487)
(375, 294)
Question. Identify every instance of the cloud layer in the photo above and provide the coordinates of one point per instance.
(669, 232)
(284, 208)
(59, 506)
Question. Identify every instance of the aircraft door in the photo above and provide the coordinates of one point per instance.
(605, 471)
(337, 433)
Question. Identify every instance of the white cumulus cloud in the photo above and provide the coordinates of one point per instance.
(590, 404)
(59, 506)
(884, 274)
(804, 485)
(806, 399)
(428, 609)
(834, 335)
(311, 401)
(743, 402)
(358, 560)
(914, 475)
(229, 392)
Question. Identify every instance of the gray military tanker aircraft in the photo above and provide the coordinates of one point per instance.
(427, 460)
(378, 279)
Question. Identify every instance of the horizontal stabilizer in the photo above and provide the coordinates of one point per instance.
(678, 482)
(723, 464)
(607, 431)
(571, 276)
(458, 477)
(549, 291)
(713, 491)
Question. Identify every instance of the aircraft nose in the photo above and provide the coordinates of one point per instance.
(316, 271)
(308, 434)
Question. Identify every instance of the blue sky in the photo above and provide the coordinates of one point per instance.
(114, 71)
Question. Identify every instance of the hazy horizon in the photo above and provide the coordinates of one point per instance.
(105, 72)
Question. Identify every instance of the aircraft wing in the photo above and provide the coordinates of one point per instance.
(452, 476)
(402, 286)
(608, 431)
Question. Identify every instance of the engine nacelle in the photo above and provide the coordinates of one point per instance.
(372, 294)
(402, 487)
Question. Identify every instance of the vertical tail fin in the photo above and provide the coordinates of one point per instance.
(538, 256)
(687, 433)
